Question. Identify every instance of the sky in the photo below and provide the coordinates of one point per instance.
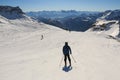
(79, 5)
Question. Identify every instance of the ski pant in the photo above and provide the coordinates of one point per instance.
(65, 59)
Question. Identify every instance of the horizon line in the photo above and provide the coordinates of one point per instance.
(36, 10)
(71, 10)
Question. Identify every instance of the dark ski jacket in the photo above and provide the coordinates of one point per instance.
(66, 50)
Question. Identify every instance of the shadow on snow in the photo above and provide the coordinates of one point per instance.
(67, 68)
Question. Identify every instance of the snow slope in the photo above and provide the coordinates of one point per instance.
(24, 56)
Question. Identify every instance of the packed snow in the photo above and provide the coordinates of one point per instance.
(25, 56)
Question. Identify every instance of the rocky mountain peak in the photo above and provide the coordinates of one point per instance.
(11, 12)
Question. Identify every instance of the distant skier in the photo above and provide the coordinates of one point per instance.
(67, 51)
(41, 37)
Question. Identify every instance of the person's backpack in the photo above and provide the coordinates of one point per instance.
(66, 49)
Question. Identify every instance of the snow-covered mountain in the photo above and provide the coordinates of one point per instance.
(16, 22)
(108, 23)
(11, 12)
(112, 15)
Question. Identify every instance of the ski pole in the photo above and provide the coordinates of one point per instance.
(61, 61)
(73, 58)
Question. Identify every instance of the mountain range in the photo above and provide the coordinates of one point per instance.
(79, 20)
(70, 20)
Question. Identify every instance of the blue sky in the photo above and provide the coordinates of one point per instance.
(80, 5)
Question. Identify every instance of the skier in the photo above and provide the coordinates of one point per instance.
(41, 37)
(67, 51)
